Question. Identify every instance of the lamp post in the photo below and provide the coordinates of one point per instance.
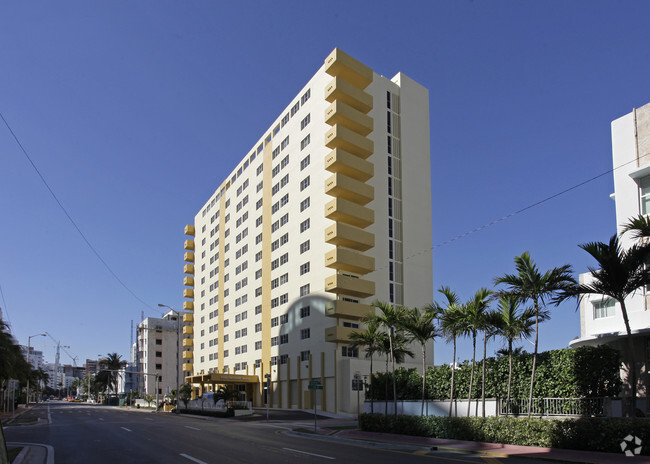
(29, 348)
(178, 352)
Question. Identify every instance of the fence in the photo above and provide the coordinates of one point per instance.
(597, 407)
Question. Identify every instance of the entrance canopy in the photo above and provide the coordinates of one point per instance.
(215, 378)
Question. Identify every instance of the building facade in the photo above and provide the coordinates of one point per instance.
(329, 211)
(158, 355)
(600, 317)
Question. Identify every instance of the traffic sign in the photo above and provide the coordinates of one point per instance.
(315, 387)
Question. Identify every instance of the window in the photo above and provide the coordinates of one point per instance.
(258, 256)
(284, 278)
(258, 240)
(274, 360)
(285, 143)
(304, 163)
(276, 171)
(158, 366)
(284, 299)
(284, 319)
(275, 341)
(284, 258)
(304, 204)
(276, 152)
(284, 339)
(304, 333)
(284, 181)
(285, 119)
(284, 200)
(284, 162)
(304, 290)
(258, 327)
(389, 145)
(295, 108)
(158, 354)
(304, 268)
(259, 187)
(258, 274)
(352, 325)
(274, 283)
(275, 207)
(275, 322)
(349, 352)
(158, 342)
(284, 239)
(644, 185)
(304, 246)
(304, 355)
(258, 291)
(304, 142)
(304, 225)
(304, 183)
(284, 358)
(258, 309)
(604, 308)
(258, 346)
(305, 122)
(259, 203)
(304, 311)
(284, 219)
(305, 97)
(258, 221)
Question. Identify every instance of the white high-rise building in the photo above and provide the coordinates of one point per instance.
(329, 211)
(601, 321)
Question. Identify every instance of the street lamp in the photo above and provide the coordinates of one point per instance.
(178, 352)
(29, 348)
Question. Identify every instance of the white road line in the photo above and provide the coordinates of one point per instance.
(188, 427)
(311, 454)
(277, 426)
(49, 414)
(187, 456)
(128, 430)
(101, 418)
(148, 419)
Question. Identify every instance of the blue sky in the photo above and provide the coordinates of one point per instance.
(135, 111)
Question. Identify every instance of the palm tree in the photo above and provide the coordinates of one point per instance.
(390, 317)
(112, 364)
(638, 226)
(511, 324)
(451, 323)
(529, 284)
(620, 274)
(398, 347)
(370, 341)
(474, 320)
(419, 326)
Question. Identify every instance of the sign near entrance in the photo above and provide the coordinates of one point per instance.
(315, 385)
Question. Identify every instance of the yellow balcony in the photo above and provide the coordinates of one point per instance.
(188, 293)
(347, 309)
(187, 342)
(342, 65)
(340, 186)
(352, 286)
(188, 355)
(339, 334)
(188, 330)
(349, 237)
(189, 230)
(350, 261)
(343, 91)
(346, 116)
(348, 140)
(188, 317)
(342, 210)
(189, 245)
(188, 269)
(342, 162)
(188, 367)
(188, 305)
(189, 281)
(188, 257)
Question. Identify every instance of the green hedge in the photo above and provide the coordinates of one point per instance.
(591, 434)
(584, 372)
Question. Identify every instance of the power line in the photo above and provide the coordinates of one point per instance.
(92, 248)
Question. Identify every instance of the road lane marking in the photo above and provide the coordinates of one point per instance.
(310, 454)
(148, 419)
(128, 430)
(187, 456)
(188, 427)
(49, 414)
(101, 418)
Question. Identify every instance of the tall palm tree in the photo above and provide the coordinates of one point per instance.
(451, 324)
(395, 350)
(370, 341)
(475, 320)
(638, 226)
(419, 326)
(620, 274)
(112, 364)
(529, 284)
(511, 324)
(390, 317)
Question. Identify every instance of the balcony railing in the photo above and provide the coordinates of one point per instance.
(555, 407)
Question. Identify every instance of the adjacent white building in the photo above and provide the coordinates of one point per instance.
(600, 317)
(328, 211)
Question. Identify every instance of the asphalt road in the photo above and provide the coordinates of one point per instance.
(92, 434)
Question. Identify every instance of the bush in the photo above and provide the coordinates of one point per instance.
(588, 433)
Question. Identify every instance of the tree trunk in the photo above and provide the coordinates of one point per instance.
(484, 354)
(424, 376)
(392, 360)
(532, 375)
(471, 377)
(372, 400)
(386, 389)
(632, 360)
(509, 374)
(453, 372)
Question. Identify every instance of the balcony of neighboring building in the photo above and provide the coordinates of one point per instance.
(342, 210)
(188, 367)
(340, 64)
(188, 269)
(187, 354)
(348, 140)
(349, 285)
(188, 257)
(343, 114)
(188, 317)
(342, 186)
(348, 236)
(189, 245)
(188, 305)
(343, 259)
(188, 293)
(339, 334)
(188, 330)
(347, 309)
(189, 230)
(341, 90)
(188, 342)
(342, 162)
(188, 281)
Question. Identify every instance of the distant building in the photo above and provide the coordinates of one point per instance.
(92, 366)
(600, 317)
(35, 357)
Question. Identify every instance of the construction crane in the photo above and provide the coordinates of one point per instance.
(56, 358)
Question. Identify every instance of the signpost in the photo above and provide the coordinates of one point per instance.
(267, 387)
(315, 385)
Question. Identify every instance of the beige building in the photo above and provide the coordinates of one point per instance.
(329, 211)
